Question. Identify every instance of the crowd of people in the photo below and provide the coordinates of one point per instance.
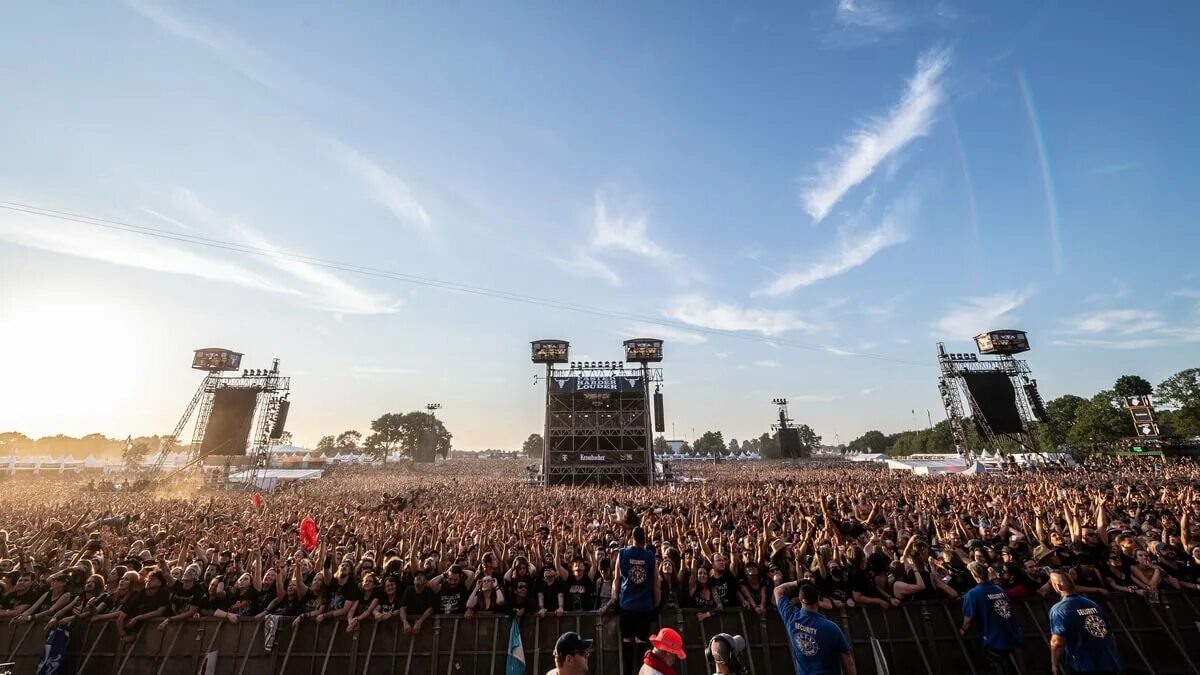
(465, 537)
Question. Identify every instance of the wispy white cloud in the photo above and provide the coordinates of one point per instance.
(979, 314)
(1115, 321)
(837, 351)
(872, 15)
(665, 333)
(233, 50)
(322, 288)
(384, 187)
(767, 363)
(697, 311)
(130, 250)
(867, 391)
(624, 233)
(879, 138)
(853, 250)
(587, 266)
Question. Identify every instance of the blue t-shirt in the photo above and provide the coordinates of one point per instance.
(817, 643)
(637, 579)
(988, 606)
(1090, 644)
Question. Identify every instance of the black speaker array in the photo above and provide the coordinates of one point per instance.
(660, 422)
(280, 420)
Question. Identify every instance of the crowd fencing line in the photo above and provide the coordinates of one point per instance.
(922, 637)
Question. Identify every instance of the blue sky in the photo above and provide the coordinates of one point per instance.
(838, 184)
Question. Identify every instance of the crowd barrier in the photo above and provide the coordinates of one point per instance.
(1160, 637)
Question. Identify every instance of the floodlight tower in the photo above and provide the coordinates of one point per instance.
(646, 351)
(548, 352)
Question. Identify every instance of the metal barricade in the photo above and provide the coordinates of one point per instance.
(919, 638)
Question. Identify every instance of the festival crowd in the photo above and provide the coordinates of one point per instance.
(465, 537)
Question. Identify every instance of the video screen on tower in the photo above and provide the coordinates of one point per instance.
(997, 401)
(228, 429)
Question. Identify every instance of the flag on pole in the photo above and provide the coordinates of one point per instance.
(516, 650)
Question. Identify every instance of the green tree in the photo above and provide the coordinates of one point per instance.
(871, 442)
(711, 443)
(348, 441)
(134, 453)
(735, 448)
(1132, 385)
(1061, 414)
(686, 449)
(327, 445)
(532, 447)
(1178, 401)
(768, 446)
(660, 445)
(1099, 421)
(14, 443)
(388, 433)
(809, 440)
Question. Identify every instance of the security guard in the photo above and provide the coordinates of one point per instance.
(987, 606)
(1081, 639)
(818, 645)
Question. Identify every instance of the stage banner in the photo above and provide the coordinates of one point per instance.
(613, 383)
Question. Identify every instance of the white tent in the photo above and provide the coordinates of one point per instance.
(270, 478)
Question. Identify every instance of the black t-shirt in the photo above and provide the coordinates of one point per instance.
(416, 602)
(12, 599)
(453, 600)
(144, 603)
(550, 593)
(339, 595)
(182, 598)
(390, 605)
(514, 603)
(726, 588)
(579, 594)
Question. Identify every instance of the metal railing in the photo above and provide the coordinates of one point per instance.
(1162, 637)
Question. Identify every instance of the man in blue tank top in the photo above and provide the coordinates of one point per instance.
(987, 606)
(818, 645)
(1081, 639)
(636, 590)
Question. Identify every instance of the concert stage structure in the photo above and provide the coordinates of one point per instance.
(999, 392)
(599, 423)
(237, 416)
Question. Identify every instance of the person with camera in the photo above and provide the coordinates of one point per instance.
(987, 606)
(818, 644)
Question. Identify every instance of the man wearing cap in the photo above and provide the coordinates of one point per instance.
(571, 655)
(1081, 639)
(667, 649)
(725, 653)
(987, 605)
(818, 645)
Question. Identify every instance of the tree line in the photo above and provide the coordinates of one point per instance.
(98, 445)
(392, 435)
(1073, 422)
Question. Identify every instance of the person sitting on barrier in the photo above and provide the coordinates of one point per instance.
(726, 655)
(368, 605)
(666, 650)
(152, 602)
(987, 605)
(818, 644)
(485, 597)
(420, 601)
(1081, 638)
(572, 655)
